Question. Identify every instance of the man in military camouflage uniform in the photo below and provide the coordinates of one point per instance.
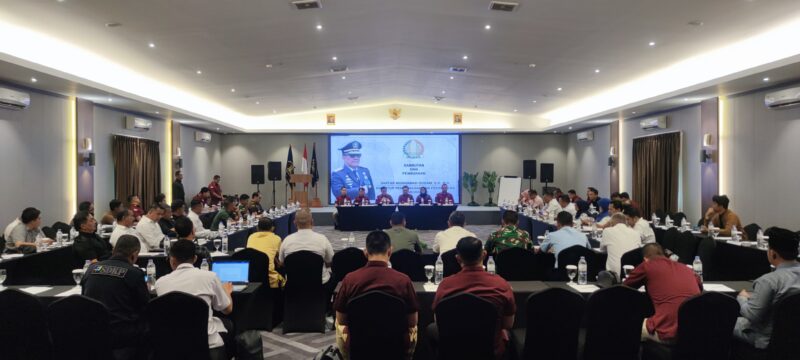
(508, 236)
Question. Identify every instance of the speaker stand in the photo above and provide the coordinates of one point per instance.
(530, 183)
(273, 193)
(545, 188)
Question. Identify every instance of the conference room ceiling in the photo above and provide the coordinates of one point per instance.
(279, 62)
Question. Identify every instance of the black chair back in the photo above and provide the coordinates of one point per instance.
(49, 232)
(259, 264)
(304, 296)
(58, 225)
(705, 325)
(633, 257)
(347, 261)
(553, 322)
(677, 218)
(686, 248)
(23, 327)
(785, 329)
(661, 214)
(74, 319)
(751, 231)
(466, 337)
(377, 337)
(451, 265)
(178, 327)
(516, 264)
(614, 323)
(409, 263)
(671, 238)
(705, 250)
(572, 255)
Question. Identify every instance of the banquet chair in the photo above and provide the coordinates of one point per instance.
(552, 327)
(377, 337)
(572, 255)
(451, 265)
(58, 225)
(785, 332)
(660, 214)
(633, 257)
(49, 232)
(409, 263)
(671, 238)
(259, 264)
(347, 261)
(258, 273)
(677, 218)
(686, 247)
(23, 327)
(465, 337)
(614, 319)
(74, 319)
(752, 230)
(705, 250)
(178, 327)
(516, 264)
(304, 296)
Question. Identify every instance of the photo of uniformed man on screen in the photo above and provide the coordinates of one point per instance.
(352, 176)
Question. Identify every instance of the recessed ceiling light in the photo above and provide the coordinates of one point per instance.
(110, 99)
(199, 72)
(268, 66)
(465, 57)
(531, 65)
(570, 128)
(349, 92)
(515, 110)
(559, 89)
(274, 111)
(652, 43)
(766, 79)
(488, 27)
(633, 112)
(344, 77)
(334, 58)
(258, 102)
(685, 99)
(151, 45)
(596, 71)
(233, 90)
(319, 26)
(452, 77)
(158, 112)
(444, 92)
(61, 1)
(33, 80)
(533, 101)
(555, 131)
(217, 129)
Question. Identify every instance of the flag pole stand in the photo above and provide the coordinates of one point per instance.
(315, 203)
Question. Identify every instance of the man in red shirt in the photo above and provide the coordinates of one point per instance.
(444, 197)
(203, 196)
(342, 199)
(669, 283)
(474, 280)
(405, 197)
(135, 206)
(376, 276)
(384, 198)
(362, 198)
(216, 190)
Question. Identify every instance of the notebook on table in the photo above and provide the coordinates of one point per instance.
(233, 271)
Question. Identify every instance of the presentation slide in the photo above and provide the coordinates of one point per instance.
(413, 160)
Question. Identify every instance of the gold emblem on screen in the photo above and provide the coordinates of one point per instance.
(394, 113)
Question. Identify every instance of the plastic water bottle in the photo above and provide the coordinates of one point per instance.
(760, 239)
(582, 272)
(59, 237)
(166, 244)
(151, 270)
(735, 236)
(490, 265)
(86, 265)
(697, 266)
(351, 239)
(439, 270)
(204, 265)
(546, 237)
(224, 243)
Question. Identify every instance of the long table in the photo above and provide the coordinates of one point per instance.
(418, 217)
(53, 267)
(534, 227)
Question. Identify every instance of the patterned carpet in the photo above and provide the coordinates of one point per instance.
(278, 346)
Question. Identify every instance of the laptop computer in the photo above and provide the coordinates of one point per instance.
(233, 271)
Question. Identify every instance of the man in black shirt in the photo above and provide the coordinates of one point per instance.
(177, 188)
(89, 246)
(121, 287)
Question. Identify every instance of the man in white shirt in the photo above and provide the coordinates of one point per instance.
(567, 205)
(639, 224)
(306, 239)
(618, 238)
(125, 221)
(148, 227)
(613, 208)
(205, 285)
(10, 227)
(195, 210)
(551, 206)
(446, 240)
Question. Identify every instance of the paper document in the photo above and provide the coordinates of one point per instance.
(430, 287)
(585, 289)
(33, 290)
(74, 291)
(717, 288)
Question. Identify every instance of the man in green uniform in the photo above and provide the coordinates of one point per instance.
(508, 236)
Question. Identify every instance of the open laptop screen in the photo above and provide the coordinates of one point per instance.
(236, 272)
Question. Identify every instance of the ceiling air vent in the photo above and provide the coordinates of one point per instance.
(306, 4)
(438, 98)
(336, 69)
(503, 6)
(352, 98)
(458, 69)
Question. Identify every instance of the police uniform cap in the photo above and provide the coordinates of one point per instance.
(352, 148)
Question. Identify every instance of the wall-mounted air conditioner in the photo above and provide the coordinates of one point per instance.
(134, 123)
(14, 100)
(654, 123)
(202, 136)
(783, 99)
(586, 136)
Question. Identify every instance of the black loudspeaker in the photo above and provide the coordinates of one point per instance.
(274, 171)
(529, 169)
(257, 174)
(546, 173)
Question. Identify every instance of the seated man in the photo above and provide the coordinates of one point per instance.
(423, 197)
(362, 198)
(242, 207)
(614, 207)
(195, 210)
(121, 287)
(446, 240)
(203, 196)
(255, 203)
(474, 280)
(166, 223)
(342, 199)
(405, 197)
(722, 218)
(566, 205)
(639, 224)
(444, 197)
(86, 206)
(89, 246)
(536, 201)
(110, 217)
(754, 326)
(384, 198)
(618, 238)
(565, 237)
(135, 205)
(551, 205)
(178, 208)
(573, 196)
(593, 197)
(226, 212)
(306, 239)
(148, 228)
(125, 227)
(669, 283)
(402, 238)
(205, 285)
(22, 237)
(508, 236)
(376, 276)
(267, 242)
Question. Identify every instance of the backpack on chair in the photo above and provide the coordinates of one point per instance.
(329, 353)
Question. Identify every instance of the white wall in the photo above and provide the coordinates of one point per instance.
(588, 162)
(762, 176)
(687, 121)
(33, 157)
(201, 161)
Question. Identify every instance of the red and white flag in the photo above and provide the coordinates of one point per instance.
(304, 165)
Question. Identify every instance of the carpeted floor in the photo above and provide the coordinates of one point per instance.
(278, 346)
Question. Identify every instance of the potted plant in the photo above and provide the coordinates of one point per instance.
(470, 182)
(489, 182)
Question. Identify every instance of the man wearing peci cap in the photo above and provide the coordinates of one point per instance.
(352, 176)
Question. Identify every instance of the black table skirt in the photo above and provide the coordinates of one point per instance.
(364, 218)
(427, 217)
(52, 267)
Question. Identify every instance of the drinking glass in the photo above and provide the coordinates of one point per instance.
(429, 273)
(77, 274)
(217, 244)
(627, 270)
(572, 270)
(2, 277)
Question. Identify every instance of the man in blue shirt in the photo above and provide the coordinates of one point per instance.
(754, 326)
(565, 237)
